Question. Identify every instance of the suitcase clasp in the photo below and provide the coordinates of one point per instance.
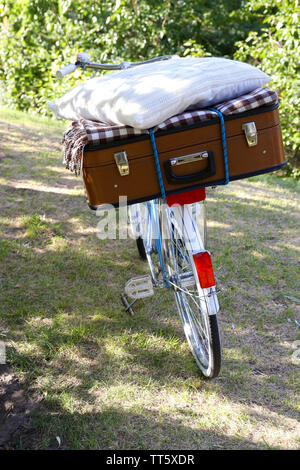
(250, 133)
(122, 162)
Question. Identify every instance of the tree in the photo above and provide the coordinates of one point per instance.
(37, 37)
(276, 51)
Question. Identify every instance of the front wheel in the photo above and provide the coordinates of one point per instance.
(144, 223)
(141, 248)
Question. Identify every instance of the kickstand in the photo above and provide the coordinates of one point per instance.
(128, 306)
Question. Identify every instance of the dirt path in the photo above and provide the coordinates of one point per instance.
(16, 429)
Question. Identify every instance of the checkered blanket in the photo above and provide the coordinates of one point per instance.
(83, 132)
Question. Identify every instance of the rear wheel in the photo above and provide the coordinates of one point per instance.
(161, 230)
(197, 307)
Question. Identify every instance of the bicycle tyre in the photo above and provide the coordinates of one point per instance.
(146, 243)
(141, 248)
(201, 328)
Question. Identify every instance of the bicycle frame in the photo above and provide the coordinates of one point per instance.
(184, 219)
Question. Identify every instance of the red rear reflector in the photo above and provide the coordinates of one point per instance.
(204, 269)
(187, 197)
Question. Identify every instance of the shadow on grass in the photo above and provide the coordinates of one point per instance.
(68, 319)
(116, 429)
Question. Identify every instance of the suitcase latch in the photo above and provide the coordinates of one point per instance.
(122, 162)
(250, 133)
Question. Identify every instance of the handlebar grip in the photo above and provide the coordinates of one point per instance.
(65, 70)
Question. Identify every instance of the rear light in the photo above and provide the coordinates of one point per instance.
(204, 269)
(187, 197)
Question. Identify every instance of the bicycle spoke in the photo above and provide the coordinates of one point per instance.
(192, 302)
(171, 255)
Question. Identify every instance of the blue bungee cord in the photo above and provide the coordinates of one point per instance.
(224, 147)
(160, 178)
(159, 174)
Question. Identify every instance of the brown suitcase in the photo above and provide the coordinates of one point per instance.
(190, 157)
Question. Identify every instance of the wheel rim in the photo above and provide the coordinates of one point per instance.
(181, 271)
(149, 242)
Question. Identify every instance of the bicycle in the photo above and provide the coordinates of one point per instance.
(171, 235)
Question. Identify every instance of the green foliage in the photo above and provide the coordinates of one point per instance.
(37, 37)
(276, 51)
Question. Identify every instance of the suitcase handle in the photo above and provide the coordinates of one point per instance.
(174, 179)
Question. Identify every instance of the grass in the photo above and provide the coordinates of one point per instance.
(110, 381)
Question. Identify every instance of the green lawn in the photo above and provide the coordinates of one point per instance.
(110, 381)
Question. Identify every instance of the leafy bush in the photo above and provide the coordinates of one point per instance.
(37, 37)
(276, 51)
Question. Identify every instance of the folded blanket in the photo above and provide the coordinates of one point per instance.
(84, 132)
